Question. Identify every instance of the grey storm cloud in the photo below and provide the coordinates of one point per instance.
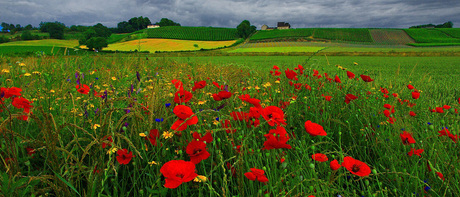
(225, 13)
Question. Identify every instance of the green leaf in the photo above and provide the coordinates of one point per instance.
(67, 183)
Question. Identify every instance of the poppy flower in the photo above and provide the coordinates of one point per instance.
(384, 90)
(227, 126)
(83, 89)
(414, 151)
(182, 96)
(124, 156)
(334, 165)
(106, 139)
(319, 157)
(221, 95)
(386, 113)
(256, 174)
(153, 136)
(273, 115)
(247, 98)
(410, 87)
(440, 175)
(446, 106)
(415, 94)
(290, 74)
(177, 172)
(206, 138)
(350, 97)
(199, 85)
(276, 138)
(177, 84)
(314, 129)
(275, 67)
(350, 75)
(9, 92)
(337, 79)
(391, 120)
(197, 151)
(220, 87)
(411, 113)
(30, 151)
(366, 78)
(395, 95)
(356, 167)
(240, 116)
(439, 110)
(21, 102)
(186, 118)
(328, 98)
(406, 138)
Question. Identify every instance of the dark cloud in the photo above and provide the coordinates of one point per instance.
(226, 13)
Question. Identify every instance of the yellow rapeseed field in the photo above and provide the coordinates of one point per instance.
(153, 45)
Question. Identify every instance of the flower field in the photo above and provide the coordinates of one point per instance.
(131, 126)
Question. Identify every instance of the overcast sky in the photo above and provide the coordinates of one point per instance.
(225, 13)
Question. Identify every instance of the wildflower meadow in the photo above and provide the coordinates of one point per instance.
(110, 125)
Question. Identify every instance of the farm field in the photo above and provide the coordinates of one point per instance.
(390, 36)
(276, 49)
(431, 36)
(45, 42)
(115, 124)
(193, 33)
(343, 34)
(153, 45)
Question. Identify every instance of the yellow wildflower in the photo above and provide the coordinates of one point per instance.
(142, 135)
(268, 84)
(36, 73)
(22, 64)
(112, 150)
(92, 72)
(114, 78)
(167, 134)
(256, 87)
(27, 74)
(215, 122)
(52, 91)
(355, 63)
(200, 178)
(95, 126)
(153, 163)
(5, 71)
(277, 81)
(201, 102)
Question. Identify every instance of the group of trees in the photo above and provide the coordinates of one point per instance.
(133, 24)
(448, 24)
(95, 37)
(15, 28)
(245, 29)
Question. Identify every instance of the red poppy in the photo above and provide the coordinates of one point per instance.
(328, 98)
(439, 110)
(178, 84)
(276, 138)
(446, 106)
(334, 165)
(384, 90)
(275, 67)
(366, 78)
(458, 100)
(221, 95)
(440, 175)
(96, 94)
(290, 74)
(177, 172)
(186, 118)
(240, 116)
(9, 92)
(227, 126)
(414, 151)
(411, 113)
(386, 113)
(106, 139)
(410, 87)
(350, 97)
(84, 89)
(395, 95)
(30, 151)
(273, 115)
(415, 94)
(307, 87)
(253, 101)
(21, 102)
(337, 79)
(256, 174)
(356, 167)
(124, 156)
(206, 138)
(314, 129)
(319, 157)
(153, 136)
(197, 151)
(199, 85)
(391, 120)
(350, 75)
(220, 87)
(182, 96)
(407, 138)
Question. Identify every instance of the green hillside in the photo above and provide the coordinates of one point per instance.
(432, 36)
(193, 33)
(286, 33)
(454, 32)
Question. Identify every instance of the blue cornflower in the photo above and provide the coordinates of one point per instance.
(168, 104)
(159, 119)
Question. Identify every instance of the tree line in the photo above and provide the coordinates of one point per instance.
(448, 24)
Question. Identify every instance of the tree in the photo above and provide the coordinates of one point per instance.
(245, 29)
(56, 29)
(26, 35)
(96, 43)
(166, 22)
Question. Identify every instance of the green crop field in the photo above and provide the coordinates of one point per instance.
(276, 49)
(193, 33)
(454, 32)
(285, 33)
(430, 36)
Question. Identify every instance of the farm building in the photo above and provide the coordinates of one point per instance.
(152, 26)
(281, 25)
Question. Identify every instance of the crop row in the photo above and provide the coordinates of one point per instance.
(432, 36)
(193, 33)
(339, 34)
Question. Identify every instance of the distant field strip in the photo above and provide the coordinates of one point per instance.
(430, 36)
(153, 45)
(390, 37)
(193, 33)
(277, 49)
(336, 34)
(454, 32)
(45, 42)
